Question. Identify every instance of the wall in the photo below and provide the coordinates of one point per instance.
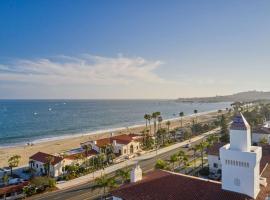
(211, 160)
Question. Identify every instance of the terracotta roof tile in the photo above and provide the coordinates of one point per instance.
(83, 154)
(214, 149)
(12, 188)
(43, 158)
(161, 185)
(120, 139)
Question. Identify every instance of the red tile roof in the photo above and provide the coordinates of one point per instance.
(82, 154)
(262, 130)
(161, 185)
(43, 158)
(120, 139)
(13, 188)
(214, 149)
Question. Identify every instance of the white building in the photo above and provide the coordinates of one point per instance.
(240, 161)
(213, 158)
(39, 162)
(121, 144)
(244, 175)
(261, 133)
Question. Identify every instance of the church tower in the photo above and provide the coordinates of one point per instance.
(240, 161)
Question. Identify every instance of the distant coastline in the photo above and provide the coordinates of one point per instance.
(242, 97)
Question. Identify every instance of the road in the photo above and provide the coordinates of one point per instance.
(85, 191)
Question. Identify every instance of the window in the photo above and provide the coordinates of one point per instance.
(237, 182)
(36, 165)
(215, 165)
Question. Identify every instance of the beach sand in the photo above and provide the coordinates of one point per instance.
(61, 145)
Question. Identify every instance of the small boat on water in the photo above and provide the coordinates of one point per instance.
(50, 109)
(35, 113)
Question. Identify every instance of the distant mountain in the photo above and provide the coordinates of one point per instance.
(242, 96)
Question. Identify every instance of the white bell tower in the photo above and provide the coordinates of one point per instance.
(240, 161)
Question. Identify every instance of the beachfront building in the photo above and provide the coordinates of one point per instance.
(43, 163)
(245, 175)
(121, 144)
(78, 156)
(261, 134)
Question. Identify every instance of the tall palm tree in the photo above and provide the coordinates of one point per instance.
(13, 161)
(181, 114)
(196, 112)
(159, 121)
(146, 119)
(173, 159)
(48, 164)
(105, 182)
(201, 147)
(123, 174)
(168, 123)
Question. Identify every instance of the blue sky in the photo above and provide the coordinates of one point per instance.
(133, 49)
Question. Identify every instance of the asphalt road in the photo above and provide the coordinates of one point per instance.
(85, 191)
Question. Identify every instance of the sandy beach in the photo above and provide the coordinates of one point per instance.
(61, 145)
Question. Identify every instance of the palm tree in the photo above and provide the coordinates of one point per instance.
(195, 112)
(124, 175)
(159, 121)
(146, 120)
(48, 164)
(13, 161)
(181, 114)
(173, 159)
(105, 182)
(201, 147)
(168, 123)
(194, 155)
(154, 117)
(149, 117)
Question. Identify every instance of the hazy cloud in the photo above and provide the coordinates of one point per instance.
(81, 70)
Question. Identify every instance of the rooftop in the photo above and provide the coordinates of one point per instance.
(120, 139)
(239, 123)
(160, 185)
(43, 158)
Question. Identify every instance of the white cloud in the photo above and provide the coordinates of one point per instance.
(82, 70)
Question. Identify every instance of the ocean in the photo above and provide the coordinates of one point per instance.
(23, 121)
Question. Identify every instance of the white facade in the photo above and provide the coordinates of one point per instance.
(118, 148)
(258, 137)
(39, 167)
(240, 161)
(214, 163)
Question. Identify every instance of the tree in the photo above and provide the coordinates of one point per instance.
(154, 117)
(263, 141)
(168, 123)
(159, 121)
(161, 164)
(146, 120)
(196, 112)
(13, 161)
(173, 160)
(48, 165)
(224, 129)
(5, 179)
(123, 174)
(201, 148)
(105, 182)
(181, 115)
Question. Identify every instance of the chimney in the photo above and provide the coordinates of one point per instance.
(136, 174)
(95, 142)
(114, 142)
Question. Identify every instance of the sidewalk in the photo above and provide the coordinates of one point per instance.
(133, 161)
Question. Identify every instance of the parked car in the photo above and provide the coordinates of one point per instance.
(214, 176)
(188, 145)
(15, 181)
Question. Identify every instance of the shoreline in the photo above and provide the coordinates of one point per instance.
(100, 131)
(57, 146)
